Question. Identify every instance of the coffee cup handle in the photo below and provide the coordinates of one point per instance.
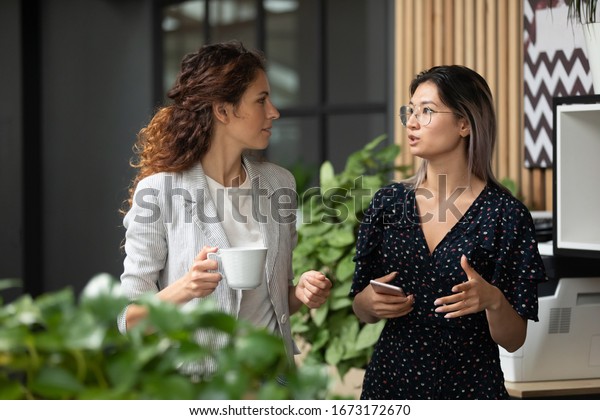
(215, 257)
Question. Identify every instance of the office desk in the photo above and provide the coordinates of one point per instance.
(550, 389)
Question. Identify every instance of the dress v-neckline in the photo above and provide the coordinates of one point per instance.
(428, 250)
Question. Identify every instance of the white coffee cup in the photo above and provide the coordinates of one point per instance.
(241, 267)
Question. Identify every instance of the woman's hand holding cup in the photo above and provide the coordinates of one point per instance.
(202, 278)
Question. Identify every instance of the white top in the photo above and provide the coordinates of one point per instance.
(234, 208)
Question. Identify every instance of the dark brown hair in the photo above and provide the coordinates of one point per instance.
(179, 134)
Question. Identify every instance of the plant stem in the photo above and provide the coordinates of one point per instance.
(35, 361)
(80, 363)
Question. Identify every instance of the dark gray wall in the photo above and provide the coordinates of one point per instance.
(11, 223)
(96, 93)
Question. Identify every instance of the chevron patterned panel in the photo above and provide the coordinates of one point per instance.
(555, 64)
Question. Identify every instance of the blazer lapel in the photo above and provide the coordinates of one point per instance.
(204, 211)
(262, 192)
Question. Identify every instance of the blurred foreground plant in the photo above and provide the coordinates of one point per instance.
(53, 347)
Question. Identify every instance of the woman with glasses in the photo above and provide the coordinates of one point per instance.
(458, 244)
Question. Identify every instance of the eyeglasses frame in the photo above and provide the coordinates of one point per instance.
(415, 115)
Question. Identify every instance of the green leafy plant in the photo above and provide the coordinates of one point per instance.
(54, 347)
(304, 175)
(330, 217)
(511, 185)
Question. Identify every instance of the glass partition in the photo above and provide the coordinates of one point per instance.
(183, 30)
(328, 66)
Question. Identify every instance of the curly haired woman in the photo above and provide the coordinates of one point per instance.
(197, 190)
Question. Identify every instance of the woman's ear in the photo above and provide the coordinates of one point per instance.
(465, 128)
(220, 111)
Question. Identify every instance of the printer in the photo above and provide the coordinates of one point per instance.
(565, 343)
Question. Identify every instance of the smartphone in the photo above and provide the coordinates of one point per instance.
(387, 289)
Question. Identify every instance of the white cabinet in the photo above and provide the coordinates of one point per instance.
(577, 179)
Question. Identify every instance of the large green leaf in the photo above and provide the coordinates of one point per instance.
(123, 368)
(299, 327)
(372, 145)
(340, 238)
(349, 330)
(341, 289)
(259, 349)
(327, 176)
(319, 315)
(334, 352)
(355, 164)
(10, 284)
(11, 391)
(167, 387)
(345, 269)
(330, 255)
(219, 321)
(340, 303)
(315, 230)
(368, 335)
(56, 382)
(388, 154)
(84, 333)
(12, 340)
(103, 297)
(321, 339)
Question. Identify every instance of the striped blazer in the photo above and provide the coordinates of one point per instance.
(173, 216)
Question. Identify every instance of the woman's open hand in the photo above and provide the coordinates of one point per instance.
(474, 295)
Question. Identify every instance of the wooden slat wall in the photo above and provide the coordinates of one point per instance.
(486, 35)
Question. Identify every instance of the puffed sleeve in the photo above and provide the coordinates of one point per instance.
(522, 263)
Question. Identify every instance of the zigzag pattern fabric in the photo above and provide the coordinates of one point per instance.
(555, 64)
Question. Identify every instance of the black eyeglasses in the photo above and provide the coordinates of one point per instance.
(423, 116)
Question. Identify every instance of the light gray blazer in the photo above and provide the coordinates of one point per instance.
(173, 216)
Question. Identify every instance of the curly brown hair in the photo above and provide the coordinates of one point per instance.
(179, 134)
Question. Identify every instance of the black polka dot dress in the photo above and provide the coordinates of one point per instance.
(423, 355)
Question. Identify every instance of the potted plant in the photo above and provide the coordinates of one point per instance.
(331, 214)
(55, 347)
